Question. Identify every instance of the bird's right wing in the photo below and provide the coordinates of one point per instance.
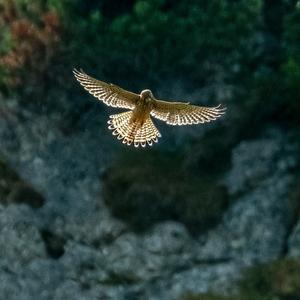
(110, 94)
(181, 113)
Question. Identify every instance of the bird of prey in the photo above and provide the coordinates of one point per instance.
(135, 126)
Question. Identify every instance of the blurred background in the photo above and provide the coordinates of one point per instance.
(210, 212)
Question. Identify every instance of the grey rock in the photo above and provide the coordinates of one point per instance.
(253, 230)
(83, 264)
(68, 289)
(9, 289)
(102, 259)
(72, 290)
(48, 272)
(254, 227)
(100, 229)
(133, 258)
(110, 292)
(39, 279)
(125, 259)
(20, 239)
(199, 279)
(167, 238)
(253, 162)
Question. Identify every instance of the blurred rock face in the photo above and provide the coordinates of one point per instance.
(72, 247)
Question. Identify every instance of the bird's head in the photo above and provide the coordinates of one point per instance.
(145, 94)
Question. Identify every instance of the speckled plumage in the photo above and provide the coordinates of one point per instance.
(135, 126)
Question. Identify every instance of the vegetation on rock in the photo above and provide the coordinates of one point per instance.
(14, 190)
(160, 185)
(276, 280)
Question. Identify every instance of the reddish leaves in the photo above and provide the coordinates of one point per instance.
(33, 43)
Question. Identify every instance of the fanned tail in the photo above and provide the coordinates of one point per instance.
(147, 134)
(132, 132)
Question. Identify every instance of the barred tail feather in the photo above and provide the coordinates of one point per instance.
(132, 132)
(147, 134)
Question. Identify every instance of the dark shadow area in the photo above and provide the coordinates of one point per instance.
(145, 187)
(54, 244)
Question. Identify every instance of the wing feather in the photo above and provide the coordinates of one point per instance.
(181, 113)
(110, 94)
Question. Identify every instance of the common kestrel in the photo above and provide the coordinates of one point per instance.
(135, 126)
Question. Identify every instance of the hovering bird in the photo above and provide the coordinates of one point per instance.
(135, 126)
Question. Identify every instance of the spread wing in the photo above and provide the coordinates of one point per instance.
(180, 113)
(110, 94)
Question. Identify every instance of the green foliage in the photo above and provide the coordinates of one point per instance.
(6, 41)
(291, 66)
(148, 42)
(280, 278)
(271, 94)
(277, 280)
(159, 184)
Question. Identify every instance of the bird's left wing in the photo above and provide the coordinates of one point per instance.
(180, 113)
(110, 94)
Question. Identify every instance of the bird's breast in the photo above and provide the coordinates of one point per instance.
(141, 113)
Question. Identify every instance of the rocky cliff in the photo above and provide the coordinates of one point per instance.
(73, 246)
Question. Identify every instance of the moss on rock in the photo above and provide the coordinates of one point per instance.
(7, 179)
(14, 190)
(144, 187)
(277, 280)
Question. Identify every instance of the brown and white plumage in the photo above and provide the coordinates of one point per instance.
(135, 126)
(131, 132)
(110, 94)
